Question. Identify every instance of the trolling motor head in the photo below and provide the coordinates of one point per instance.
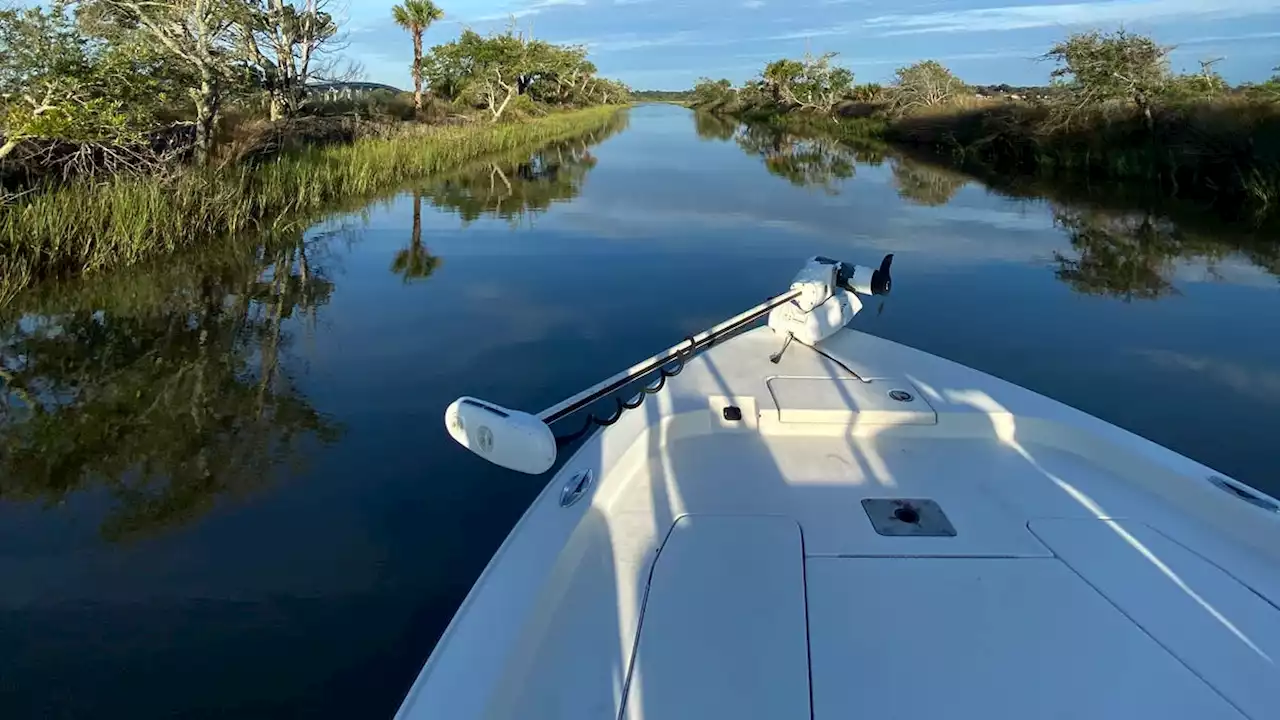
(822, 300)
(827, 298)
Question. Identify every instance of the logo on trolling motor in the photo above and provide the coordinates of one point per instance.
(485, 437)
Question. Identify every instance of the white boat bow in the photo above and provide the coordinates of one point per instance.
(860, 529)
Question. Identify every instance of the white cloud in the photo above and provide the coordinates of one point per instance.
(534, 8)
(632, 41)
(1102, 13)
(753, 4)
(807, 33)
(954, 57)
(1254, 382)
(1229, 38)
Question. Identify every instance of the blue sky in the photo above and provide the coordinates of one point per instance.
(668, 44)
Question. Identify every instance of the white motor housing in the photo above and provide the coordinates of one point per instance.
(510, 438)
(816, 282)
(813, 326)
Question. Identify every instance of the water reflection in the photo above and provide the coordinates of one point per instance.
(518, 188)
(1115, 252)
(714, 127)
(802, 160)
(415, 262)
(167, 387)
(1135, 255)
(164, 388)
(924, 184)
(515, 191)
(1126, 256)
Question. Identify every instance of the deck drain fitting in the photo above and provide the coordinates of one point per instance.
(907, 514)
(903, 517)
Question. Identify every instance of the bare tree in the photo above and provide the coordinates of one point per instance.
(290, 43)
(196, 33)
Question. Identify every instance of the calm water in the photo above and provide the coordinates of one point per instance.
(238, 497)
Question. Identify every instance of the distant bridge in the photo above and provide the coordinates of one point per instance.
(348, 90)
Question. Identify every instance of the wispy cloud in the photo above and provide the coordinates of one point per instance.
(953, 57)
(843, 29)
(1104, 12)
(533, 8)
(753, 4)
(1229, 38)
(633, 41)
(1254, 382)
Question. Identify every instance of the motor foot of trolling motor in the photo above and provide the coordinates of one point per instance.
(777, 357)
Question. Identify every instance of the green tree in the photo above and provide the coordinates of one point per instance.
(416, 16)
(1096, 68)
(197, 34)
(491, 71)
(923, 85)
(58, 83)
(1268, 91)
(1196, 87)
(813, 83)
(711, 94)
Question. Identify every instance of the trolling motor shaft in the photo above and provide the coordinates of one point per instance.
(822, 300)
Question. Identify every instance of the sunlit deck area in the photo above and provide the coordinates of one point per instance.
(882, 534)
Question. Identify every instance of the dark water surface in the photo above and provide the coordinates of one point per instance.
(237, 497)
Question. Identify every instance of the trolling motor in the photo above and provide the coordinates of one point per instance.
(823, 299)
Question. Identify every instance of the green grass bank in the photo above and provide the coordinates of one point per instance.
(88, 226)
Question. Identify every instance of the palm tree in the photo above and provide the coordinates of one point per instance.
(415, 262)
(416, 16)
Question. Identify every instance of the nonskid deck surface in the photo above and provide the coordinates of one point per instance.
(1035, 608)
(1067, 589)
(755, 567)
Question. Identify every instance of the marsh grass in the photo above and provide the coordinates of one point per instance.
(87, 226)
(1225, 153)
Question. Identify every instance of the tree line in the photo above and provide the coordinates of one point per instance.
(111, 73)
(132, 80)
(1091, 69)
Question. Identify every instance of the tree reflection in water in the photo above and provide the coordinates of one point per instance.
(1134, 255)
(925, 184)
(1131, 255)
(515, 191)
(164, 387)
(806, 160)
(415, 262)
(518, 188)
(709, 126)
(1126, 256)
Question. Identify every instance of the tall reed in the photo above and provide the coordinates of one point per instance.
(87, 226)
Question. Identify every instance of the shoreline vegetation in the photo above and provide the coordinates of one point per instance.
(1126, 243)
(1113, 112)
(86, 226)
(131, 128)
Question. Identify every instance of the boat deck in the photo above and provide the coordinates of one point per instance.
(1055, 566)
